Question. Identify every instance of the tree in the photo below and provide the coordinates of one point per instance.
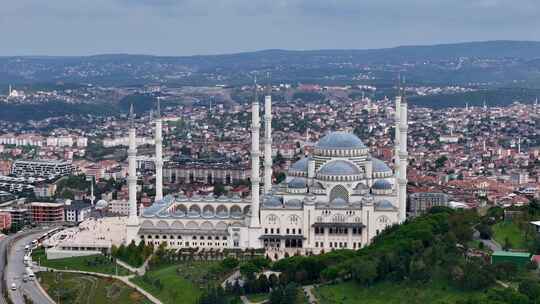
(263, 284)
(330, 274)
(507, 244)
(276, 296)
(219, 189)
(273, 280)
(419, 271)
(248, 270)
(281, 176)
(531, 289)
(229, 263)
(485, 231)
(364, 271)
(439, 162)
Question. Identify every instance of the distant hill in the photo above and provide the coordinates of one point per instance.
(493, 64)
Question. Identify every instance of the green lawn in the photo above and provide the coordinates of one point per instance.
(510, 230)
(180, 284)
(92, 263)
(257, 297)
(86, 289)
(389, 293)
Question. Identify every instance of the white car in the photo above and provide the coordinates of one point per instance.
(13, 286)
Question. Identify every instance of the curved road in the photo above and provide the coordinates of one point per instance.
(15, 271)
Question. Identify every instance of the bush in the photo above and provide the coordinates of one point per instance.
(229, 263)
(485, 231)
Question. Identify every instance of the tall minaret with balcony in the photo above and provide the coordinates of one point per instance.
(133, 220)
(159, 154)
(268, 139)
(403, 159)
(255, 161)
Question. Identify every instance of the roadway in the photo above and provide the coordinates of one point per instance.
(15, 272)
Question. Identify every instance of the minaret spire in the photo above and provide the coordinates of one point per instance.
(268, 137)
(255, 162)
(159, 154)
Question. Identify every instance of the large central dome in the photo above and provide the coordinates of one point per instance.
(340, 140)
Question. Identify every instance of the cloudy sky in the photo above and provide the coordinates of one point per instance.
(187, 27)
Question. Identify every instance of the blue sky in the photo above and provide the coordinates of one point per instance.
(188, 27)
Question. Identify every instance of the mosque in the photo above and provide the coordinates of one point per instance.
(338, 197)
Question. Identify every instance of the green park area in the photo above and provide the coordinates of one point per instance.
(390, 293)
(92, 263)
(257, 297)
(181, 283)
(87, 289)
(509, 233)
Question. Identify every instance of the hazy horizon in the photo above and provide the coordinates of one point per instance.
(272, 49)
(202, 27)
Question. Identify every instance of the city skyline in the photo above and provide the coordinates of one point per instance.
(167, 27)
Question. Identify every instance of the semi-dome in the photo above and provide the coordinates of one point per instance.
(271, 201)
(361, 187)
(382, 184)
(297, 183)
(300, 165)
(340, 140)
(293, 203)
(384, 205)
(339, 167)
(338, 202)
(380, 166)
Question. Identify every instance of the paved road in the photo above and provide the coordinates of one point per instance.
(15, 271)
(491, 244)
(308, 291)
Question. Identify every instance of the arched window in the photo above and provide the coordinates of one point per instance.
(339, 192)
(272, 219)
(293, 219)
(338, 218)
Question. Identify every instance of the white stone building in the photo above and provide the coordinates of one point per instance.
(338, 197)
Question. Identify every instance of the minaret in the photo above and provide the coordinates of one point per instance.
(403, 159)
(255, 162)
(133, 220)
(396, 135)
(159, 154)
(268, 139)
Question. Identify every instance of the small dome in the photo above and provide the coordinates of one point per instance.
(339, 167)
(360, 187)
(209, 198)
(340, 140)
(317, 185)
(102, 204)
(236, 213)
(293, 203)
(222, 214)
(178, 214)
(300, 165)
(163, 213)
(380, 166)
(384, 205)
(272, 202)
(297, 183)
(338, 202)
(382, 184)
(150, 211)
(193, 213)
